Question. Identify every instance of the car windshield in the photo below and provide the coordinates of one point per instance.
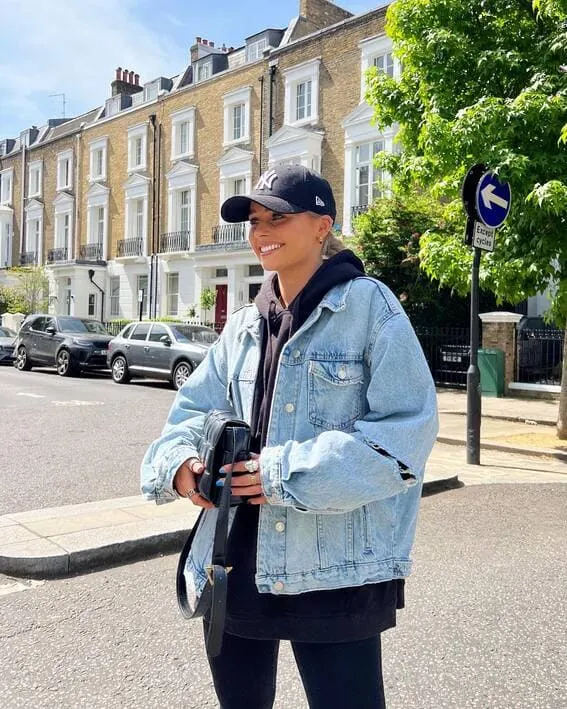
(82, 325)
(195, 333)
(6, 332)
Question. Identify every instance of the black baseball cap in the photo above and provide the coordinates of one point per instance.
(287, 189)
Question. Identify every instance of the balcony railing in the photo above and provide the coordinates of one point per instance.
(28, 258)
(228, 236)
(130, 247)
(174, 241)
(359, 209)
(90, 252)
(59, 254)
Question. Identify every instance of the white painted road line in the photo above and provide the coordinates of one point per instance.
(33, 396)
(77, 402)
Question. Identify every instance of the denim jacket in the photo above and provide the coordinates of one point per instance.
(353, 399)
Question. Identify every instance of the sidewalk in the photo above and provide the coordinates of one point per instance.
(57, 542)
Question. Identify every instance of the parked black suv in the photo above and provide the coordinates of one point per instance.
(69, 343)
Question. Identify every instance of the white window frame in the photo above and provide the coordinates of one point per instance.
(293, 77)
(62, 158)
(114, 296)
(100, 144)
(187, 116)
(135, 134)
(182, 177)
(136, 189)
(240, 97)
(169, 294)
(358, 130)
(98, 196)
(295, 145)
(35, 169)
(64, 206)
(34, 214)
(255, 50)
(370, 49)
(201, 67)
(7, 186)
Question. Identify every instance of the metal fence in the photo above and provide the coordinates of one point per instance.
(540, 356)
(447, 351)
(114, 326)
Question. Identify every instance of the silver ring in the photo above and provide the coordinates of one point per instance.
(190, 493)
(252, 466)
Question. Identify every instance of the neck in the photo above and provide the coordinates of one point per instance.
(291, 284)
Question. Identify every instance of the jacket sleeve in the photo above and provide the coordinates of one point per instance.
(205, 389)
(338, 471)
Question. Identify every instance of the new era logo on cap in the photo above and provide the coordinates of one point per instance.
(287, 189)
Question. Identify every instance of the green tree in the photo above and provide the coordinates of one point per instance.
(29, 295)
(387, 239)
(484, 81)
(208, 299)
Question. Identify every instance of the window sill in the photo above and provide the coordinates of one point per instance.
(312, 120)
(238, 141)
(63, 188)
(35, 195)
(136, 168)
(99, 178)
(182, 156)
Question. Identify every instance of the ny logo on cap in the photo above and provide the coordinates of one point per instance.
(266, 180)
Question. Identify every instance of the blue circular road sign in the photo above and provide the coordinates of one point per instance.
(493, 200)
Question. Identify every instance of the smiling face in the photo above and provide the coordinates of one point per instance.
(289, 244)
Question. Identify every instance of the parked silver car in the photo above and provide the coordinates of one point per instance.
(7, 343)
(158, 350)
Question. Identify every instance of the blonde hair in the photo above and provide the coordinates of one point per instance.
(331, 246)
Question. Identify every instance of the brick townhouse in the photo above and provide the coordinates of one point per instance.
(125, 200)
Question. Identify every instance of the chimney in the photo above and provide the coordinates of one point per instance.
(231, 49)
(211, 44)
(198, 40)
(126, 82)
(223, 48)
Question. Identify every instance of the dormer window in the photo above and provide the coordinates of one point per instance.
(150, 92)
(255, 50)
(204, 71)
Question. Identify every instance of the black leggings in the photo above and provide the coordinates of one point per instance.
(335, 675)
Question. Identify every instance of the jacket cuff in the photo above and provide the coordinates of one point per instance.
(271, 474)
(163, 490)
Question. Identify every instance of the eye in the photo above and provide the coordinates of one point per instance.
(253, 221)
(277, 217)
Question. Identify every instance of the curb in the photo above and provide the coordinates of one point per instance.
(504, 417)
(57, 563)
(507, 448)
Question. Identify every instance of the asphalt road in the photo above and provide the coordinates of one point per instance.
(71, 440)
(484, 626)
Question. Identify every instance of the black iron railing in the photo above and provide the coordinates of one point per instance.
(90, 252)
(174, 241)
(59, 254)
(359, 209)
(130, 247)
(228, 236)
(29, 258)
(540, 356)
(447, 351)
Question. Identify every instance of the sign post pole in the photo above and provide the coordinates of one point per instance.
(487, 203)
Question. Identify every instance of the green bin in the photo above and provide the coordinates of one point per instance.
(491, 367)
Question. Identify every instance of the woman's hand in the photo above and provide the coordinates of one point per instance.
(185, 484)
(246, 480)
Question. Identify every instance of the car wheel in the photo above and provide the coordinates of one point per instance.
(22, 361)
(181, 373)
(120, 372)
(65, 367)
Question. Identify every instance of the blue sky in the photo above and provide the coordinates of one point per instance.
(74, 46)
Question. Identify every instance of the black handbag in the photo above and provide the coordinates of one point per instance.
(225, 440)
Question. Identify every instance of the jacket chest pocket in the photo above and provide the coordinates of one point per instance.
(335, 393)
(241, 393)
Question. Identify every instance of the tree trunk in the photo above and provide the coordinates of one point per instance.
(562, 416)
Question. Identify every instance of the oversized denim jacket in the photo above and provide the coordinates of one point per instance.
(353, 399)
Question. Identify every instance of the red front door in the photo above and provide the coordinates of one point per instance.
(220, 307)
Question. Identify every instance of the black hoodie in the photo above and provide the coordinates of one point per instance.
(339, 615)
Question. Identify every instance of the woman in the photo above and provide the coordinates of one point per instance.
(328, 372)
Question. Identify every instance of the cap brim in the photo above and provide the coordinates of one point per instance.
(237, 208)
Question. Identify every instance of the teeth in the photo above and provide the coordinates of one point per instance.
(271, 247)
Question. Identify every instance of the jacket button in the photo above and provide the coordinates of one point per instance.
(278, 586)
(279, 526)
(297, 354)
(290, 408)
(342, 373)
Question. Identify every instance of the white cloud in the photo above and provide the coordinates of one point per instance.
(73, 47)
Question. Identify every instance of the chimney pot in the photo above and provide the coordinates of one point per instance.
(137, 79)
(199, 40)
(206, 42)
(231, 49)
(130, 77)
(125, 75)
(118, 73)
(211, 44)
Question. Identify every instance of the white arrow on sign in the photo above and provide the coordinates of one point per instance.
(490, 198)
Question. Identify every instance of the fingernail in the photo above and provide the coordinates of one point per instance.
(223, 471)
(220, 482)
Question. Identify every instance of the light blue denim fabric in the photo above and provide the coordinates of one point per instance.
(352, 383)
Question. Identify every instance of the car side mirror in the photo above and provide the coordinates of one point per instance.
(166, 339)
(50, 330)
